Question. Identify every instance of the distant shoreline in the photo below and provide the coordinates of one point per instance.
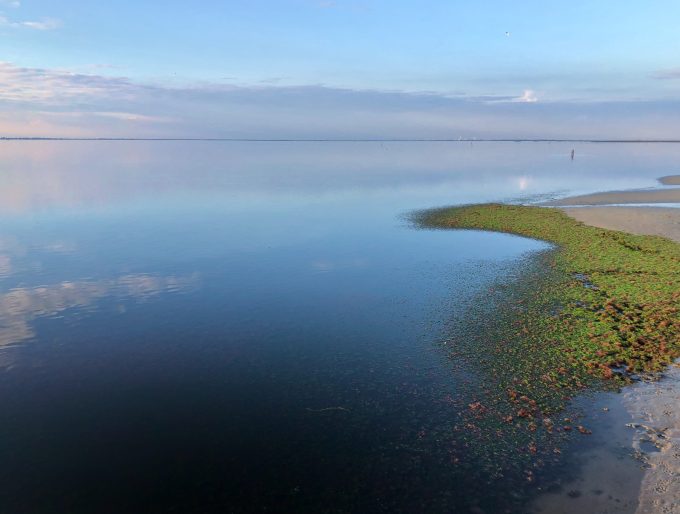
(348, 140)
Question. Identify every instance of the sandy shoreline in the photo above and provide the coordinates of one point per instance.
(620, 197)
(671, 195)
(655, 221)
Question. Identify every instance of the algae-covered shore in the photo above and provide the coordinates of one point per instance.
(616, 302)
(591, 313)
(598, 310)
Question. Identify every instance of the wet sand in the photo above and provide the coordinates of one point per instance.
(655, 221)
(655, 411)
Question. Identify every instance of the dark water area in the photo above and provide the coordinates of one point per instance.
(257, 327)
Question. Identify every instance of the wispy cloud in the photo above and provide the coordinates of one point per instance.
(43, 24)
(528, 96)
(19, 84)
(121, 116)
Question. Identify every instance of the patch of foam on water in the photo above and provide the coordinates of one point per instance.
(655, 409)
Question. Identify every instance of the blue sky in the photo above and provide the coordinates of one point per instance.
(104, 68)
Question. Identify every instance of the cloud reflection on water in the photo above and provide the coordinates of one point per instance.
(20, 306)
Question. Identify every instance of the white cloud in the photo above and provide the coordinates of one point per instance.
(44, 24)
(11, 3)
(528, 96)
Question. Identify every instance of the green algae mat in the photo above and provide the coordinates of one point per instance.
(616, 297)
(594, 312)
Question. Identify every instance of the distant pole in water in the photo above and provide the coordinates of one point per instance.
(572, 154)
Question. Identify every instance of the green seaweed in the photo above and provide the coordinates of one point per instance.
(592, 313)
(617, 295)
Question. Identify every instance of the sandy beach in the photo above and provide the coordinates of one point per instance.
(655, 221)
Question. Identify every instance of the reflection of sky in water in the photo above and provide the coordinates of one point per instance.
(302, 287)
(39, 176)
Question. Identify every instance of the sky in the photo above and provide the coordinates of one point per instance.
(340, 68)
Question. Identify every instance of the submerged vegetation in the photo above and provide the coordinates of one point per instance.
(596, 311)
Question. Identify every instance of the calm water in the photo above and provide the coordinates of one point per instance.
(246, 327)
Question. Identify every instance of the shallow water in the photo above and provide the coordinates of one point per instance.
(213, 326)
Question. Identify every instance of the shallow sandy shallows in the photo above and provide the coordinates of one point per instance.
(656, 221)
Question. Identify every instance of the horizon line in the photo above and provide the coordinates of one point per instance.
(345, 140)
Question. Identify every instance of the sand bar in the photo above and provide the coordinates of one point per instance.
(655, 221)
(671, 195)
(670, 180)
